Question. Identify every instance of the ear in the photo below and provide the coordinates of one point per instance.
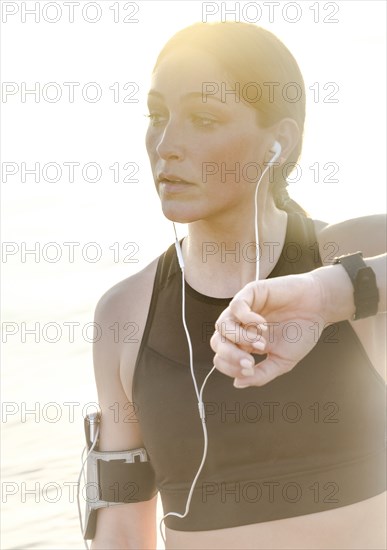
(288, 134)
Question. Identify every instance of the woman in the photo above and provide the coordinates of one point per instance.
(297, 462)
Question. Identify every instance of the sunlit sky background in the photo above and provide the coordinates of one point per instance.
(350, 133)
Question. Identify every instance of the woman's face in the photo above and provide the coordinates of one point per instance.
(206, 150)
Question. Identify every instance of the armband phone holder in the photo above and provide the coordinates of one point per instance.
(113, 477)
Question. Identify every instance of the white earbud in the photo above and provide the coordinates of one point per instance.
(275, 150)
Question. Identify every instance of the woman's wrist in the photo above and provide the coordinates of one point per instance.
(338, 292)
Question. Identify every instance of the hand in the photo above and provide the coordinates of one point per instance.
(276, 317)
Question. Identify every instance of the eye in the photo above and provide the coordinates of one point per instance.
(155, 118)
(203, 120)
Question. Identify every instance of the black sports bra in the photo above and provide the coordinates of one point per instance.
(311, 440)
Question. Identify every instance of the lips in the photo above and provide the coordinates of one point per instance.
(171, 179)
(169, 183)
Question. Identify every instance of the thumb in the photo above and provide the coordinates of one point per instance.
(243, 302)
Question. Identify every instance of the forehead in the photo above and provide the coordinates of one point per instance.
(185, 71)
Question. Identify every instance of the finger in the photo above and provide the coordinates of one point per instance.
(231, 360)
(247, 337)
(240, 308)
(240, 311)
(265, 372)
(249, 302)
(234, 370)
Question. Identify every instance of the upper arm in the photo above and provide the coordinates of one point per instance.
(366, 234)
(114, 359)
(130, 525)
(115, 435)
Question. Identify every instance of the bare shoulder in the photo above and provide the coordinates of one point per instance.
(115, 301)
(367, 234)
(120, 316)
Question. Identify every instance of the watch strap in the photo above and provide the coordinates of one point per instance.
(365, 291)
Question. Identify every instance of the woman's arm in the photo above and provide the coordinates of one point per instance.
(279, 316)
(368, 234)
(133, 525)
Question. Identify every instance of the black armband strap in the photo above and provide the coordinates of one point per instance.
(365, 291)
(122, 481)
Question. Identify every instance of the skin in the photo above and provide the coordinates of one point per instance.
(319, 298)
(184, 133)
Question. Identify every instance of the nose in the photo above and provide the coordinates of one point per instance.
(170, 142)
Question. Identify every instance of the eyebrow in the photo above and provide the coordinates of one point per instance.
(190, 95)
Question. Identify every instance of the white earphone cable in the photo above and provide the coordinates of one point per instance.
(199, 394)
(272, 160)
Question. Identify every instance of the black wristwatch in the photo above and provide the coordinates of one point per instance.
(365, 291)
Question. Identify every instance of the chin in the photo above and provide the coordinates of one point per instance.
(180, 215)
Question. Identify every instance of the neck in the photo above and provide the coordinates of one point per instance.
(220, 253)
